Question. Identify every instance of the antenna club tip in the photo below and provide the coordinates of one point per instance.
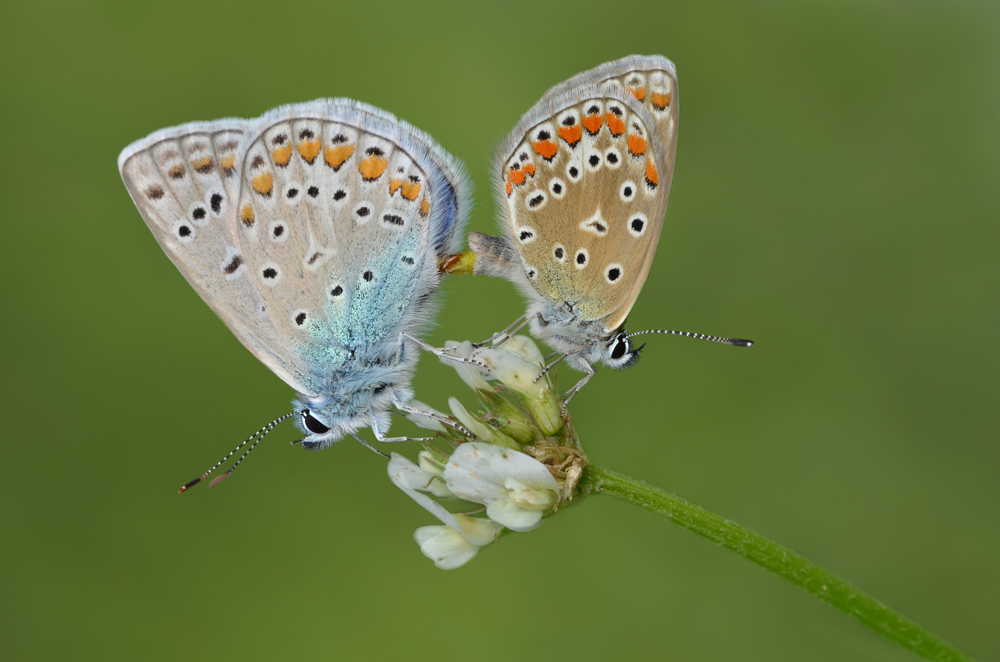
(188, 485)
(219, 479)
(742, 343)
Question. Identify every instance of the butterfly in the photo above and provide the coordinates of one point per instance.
(314, 232)
(583, 181)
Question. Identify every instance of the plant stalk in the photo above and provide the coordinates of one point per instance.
(779, 560)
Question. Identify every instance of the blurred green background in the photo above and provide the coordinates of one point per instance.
(835, 199)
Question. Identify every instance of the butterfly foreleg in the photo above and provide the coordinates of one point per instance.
(436, 351)
(570, 394)
(430, 414)
(379, 435)
(546, 369)
(508, 333)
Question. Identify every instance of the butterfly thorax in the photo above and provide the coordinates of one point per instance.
(563, 330)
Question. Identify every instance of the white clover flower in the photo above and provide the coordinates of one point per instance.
(516, 489)
(458, 541)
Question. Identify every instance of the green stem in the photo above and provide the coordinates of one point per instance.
(779, 560)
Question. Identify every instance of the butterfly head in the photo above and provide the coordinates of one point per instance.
(619, 353)
(324, 428)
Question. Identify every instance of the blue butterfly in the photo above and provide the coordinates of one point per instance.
(315, 233)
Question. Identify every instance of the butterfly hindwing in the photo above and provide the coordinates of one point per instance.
(585, 178)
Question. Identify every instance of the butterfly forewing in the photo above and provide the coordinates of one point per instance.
(184, 182)
(313, 231)
(585, 178)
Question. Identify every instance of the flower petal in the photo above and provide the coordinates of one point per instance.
(516, 489)
(477, 531)
(402, 471)
(445, 546)
(476, 468)
(514, 517)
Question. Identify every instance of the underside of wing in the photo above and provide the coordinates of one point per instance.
(585, 178)
(185, 182)
(326, 237)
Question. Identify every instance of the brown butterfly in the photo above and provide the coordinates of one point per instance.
(584, 179)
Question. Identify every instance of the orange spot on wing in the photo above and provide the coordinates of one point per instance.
(282, 154)
(638, 92)
(394, 185)
(425, 207)
(661, 101)
(372, 167)
(571, 134)
(615, 124)
(652, 178)
(517, 176)
(592, 123)
(204, 165)
(545, 149)
(509, 186)
(263, 184)
(229, 164)
(335, 156)
(411, 190)
(247, 215)
(528, 169)
(636, 144)
(309, 149)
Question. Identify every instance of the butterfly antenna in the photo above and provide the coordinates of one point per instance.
(258, 435)
(736, 342)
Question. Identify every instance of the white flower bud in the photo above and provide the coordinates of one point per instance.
(477, 427)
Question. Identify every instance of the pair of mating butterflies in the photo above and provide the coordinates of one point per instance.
(316, 232)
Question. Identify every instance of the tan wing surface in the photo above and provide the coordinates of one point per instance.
(185, 182)
(585, 178)
(334, 225)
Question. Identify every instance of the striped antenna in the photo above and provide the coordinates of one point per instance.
(736, 342)
(258, 435)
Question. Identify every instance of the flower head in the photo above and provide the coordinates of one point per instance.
(522, 462)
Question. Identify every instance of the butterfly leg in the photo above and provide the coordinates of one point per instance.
(508, 333)
(579, 385)
(388, 440)
(431, 414)
(368, 446)
(440, 353)
(546, 369)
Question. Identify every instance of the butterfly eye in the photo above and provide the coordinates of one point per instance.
(619, 349)
(312, 424)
